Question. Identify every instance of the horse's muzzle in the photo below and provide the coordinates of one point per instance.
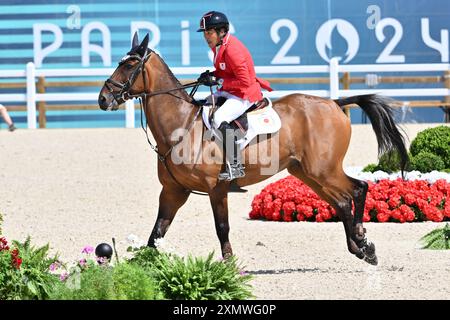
(107, 102)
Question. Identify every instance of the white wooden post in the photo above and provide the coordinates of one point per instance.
(334, 78)
(129, 113)
(31, 95)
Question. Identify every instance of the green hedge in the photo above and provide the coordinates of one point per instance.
(434, 140)
(426, 161)
(429, 151)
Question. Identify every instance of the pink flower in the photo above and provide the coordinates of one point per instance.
(54, 266)
(63, 276)
(82, 262)
(88, 250)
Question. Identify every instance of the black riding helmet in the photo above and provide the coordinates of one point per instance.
(213, 20)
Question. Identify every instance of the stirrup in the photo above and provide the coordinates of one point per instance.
(233, 171)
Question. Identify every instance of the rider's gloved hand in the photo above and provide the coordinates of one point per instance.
(208, 78)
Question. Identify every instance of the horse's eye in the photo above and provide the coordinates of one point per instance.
(128, 66)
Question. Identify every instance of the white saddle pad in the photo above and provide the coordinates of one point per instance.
(261, 121)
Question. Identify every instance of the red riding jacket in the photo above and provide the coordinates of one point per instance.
(235, 66)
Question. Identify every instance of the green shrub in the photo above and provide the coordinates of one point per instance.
(438, 239)
(144, 257)
(132, 282)
(426, 162)
(434, 140)
(371, 167)
(124, 281)
(94, 283)
(196, 278)
(389, 162)
(31, 279)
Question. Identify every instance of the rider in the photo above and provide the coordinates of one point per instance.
(238, 84)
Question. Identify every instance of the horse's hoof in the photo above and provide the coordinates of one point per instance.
(369, 254)
(373, 260)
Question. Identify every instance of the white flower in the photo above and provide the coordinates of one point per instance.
(395, 175)
(354, 171)
(159, 243)
(413, 175)
(162, 245)
(431, 177)
(367, 176)
(135, 242)
(380, 175)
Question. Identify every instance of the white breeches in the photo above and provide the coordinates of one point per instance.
(231, 109)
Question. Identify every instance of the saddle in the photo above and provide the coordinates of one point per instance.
(259, 119)
(241, 123)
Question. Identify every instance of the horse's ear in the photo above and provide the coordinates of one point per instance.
(143, 46)
(135, 42)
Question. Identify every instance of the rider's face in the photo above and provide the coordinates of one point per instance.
(211, 37)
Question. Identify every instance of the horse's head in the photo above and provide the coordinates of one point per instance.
(128, 78)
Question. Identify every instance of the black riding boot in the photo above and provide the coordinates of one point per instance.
(232, 155)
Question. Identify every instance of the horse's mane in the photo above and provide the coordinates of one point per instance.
(169, 72)
(167, 68)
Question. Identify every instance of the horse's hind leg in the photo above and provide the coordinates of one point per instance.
(335, 188)
(170, 200)
(359, 198)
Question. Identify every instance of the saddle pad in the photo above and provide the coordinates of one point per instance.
(261, 121)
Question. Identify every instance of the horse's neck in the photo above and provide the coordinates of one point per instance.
(166, 114)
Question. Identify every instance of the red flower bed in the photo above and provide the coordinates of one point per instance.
(16, 261)
(289, 199)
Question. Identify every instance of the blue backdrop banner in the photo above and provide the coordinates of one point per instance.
(97, 33)
(88, 33)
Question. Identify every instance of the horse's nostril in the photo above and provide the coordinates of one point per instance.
(102, 98)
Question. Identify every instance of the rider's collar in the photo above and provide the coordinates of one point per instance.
(225, 39)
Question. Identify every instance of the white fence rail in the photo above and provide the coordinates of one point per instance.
(333, 70)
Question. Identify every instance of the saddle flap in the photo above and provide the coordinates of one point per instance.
(242, 122)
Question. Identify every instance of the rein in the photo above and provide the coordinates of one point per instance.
(124, 95)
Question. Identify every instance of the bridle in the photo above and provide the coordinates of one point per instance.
(125, 95)
(125, 87)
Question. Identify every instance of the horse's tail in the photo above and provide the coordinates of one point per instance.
(381, 116)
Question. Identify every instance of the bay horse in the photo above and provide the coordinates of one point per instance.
(311, 143)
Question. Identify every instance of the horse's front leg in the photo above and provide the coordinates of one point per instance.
(170, 200)
(219, 203)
